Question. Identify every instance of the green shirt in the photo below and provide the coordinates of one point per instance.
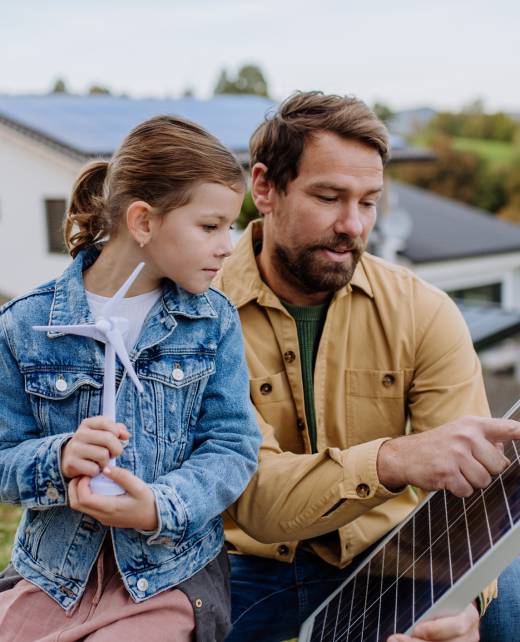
(310, 320)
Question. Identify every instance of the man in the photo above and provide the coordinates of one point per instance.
(343, 350)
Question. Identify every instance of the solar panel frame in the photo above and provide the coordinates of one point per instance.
(502, 551)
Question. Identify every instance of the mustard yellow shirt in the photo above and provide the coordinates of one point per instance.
(394, 355)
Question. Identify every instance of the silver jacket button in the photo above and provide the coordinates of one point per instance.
(61, 384)
(142, 584)
(52, 492)
(178, 374)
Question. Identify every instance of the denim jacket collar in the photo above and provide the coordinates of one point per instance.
(70, 305)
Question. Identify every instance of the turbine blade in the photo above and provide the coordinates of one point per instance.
(116, 339)
(81, 330)
(120, 294)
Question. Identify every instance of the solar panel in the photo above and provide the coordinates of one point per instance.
(433, 564)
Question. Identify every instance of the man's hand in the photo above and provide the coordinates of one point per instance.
(458, 628)
(87, 452)
(460, 456)
(135, 509)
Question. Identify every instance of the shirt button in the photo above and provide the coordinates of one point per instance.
(61, 384)
(363, 490)
(198, 603)
(67, 591)
(178, 374)
(142, 584)
(300, 424)
(289, 356)
(266, 388)
(52, 492)
(388, 380)
(283, 549)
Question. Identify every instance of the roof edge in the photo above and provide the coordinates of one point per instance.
(54, 143)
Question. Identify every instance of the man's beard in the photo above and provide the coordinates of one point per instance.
(311, 273)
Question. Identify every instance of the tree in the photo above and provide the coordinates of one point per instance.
(382, 111)
(99, 90)
(249, 80)
(223, 84)
(511, 211)
(248, 212)
(473, 123)
(59, 87)
(453, 174)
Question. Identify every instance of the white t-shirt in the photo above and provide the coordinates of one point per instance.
(134, 308)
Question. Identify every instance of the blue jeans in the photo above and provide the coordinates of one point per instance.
(501, 622)
(271, 599)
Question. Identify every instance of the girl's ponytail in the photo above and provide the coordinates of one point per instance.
(86, 223)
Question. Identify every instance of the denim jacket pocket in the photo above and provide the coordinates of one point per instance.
(61, 397)
(174, 385)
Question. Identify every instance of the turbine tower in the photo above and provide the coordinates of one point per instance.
(109, 329)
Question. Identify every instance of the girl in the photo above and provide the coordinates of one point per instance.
(97, 567)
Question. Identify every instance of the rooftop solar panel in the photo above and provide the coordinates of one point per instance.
(433, 564)
(96, 125)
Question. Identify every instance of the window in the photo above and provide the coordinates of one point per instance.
(55, 214)
(482, 294)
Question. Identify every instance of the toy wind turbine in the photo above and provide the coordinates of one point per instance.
(110, 330)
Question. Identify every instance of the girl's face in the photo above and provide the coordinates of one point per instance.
(189, 244)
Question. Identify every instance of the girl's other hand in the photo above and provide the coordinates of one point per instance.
(87, 452)
(136, 509)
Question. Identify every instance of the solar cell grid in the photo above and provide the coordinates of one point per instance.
(428, 556)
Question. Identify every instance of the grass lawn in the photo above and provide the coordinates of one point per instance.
(9, 516)
(496, 152)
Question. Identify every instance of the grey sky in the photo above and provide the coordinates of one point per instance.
(403, 52)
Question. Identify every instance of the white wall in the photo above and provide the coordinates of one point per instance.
(30, 172)
(474, 272)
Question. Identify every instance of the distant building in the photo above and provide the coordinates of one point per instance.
(465, 251)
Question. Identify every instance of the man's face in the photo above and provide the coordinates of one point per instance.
(318, 229)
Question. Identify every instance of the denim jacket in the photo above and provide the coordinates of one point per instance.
(193, 439)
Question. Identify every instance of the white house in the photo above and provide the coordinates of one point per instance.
(463, 250)
(44, 141)
(36, 179)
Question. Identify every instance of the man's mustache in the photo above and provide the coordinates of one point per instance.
(340, 243)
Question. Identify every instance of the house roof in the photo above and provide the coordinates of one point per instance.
(88, 126)
(95, 125)
(489, 324)
(443, 229)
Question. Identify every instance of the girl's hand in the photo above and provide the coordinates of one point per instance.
(87, 452)
(135, 509)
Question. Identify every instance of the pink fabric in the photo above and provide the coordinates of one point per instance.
(106, 613)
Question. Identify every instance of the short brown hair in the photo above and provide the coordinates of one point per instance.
(160, 162)
(279, 141)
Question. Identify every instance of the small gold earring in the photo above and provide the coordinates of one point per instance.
(141, 244)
